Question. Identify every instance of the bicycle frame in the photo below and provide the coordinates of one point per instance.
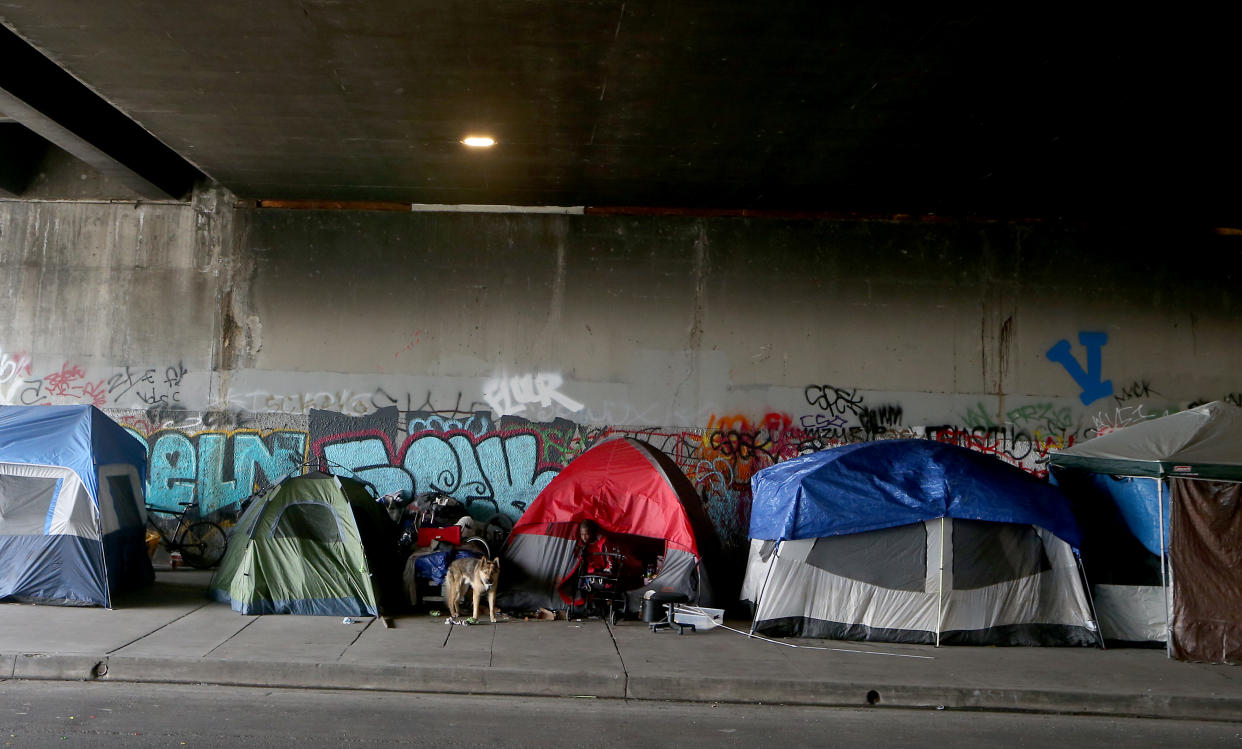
(200, 543)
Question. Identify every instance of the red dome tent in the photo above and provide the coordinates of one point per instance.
(646, 508)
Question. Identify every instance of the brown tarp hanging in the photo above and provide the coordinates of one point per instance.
(1206, 556)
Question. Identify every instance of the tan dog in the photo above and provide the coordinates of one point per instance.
(480, 576)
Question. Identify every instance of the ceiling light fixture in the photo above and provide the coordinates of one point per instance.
(478, 141)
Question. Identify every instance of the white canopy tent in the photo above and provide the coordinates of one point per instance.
(1182, 455)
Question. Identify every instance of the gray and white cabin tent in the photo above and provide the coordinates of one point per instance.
(1161, 506)
(72, 510)
(914, 541)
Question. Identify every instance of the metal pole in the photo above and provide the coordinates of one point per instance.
(1086, 588)
(940, 588)
(776, 554)
(1164, 580)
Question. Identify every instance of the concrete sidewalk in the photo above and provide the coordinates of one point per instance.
(170, 633)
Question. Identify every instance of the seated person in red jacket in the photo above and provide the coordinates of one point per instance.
(593, 554)
(591, 561)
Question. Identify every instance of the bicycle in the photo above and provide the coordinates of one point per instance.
(201, 542)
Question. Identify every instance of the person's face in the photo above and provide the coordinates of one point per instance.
(584, 534)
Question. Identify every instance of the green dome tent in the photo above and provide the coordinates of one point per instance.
(313, 544)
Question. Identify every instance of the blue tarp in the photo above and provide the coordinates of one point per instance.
(433, 567)
(1138, 502)
(875, 485)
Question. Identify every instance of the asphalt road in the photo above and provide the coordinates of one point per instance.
(34, 713)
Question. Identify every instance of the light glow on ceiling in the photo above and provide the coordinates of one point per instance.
(478, 141)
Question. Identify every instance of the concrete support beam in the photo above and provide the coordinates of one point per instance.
(20, 153)
(38, 94)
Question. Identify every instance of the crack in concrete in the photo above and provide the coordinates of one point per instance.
(356, 638)
(625, 673)
(491, 650)
(221, 644)
(157, 629)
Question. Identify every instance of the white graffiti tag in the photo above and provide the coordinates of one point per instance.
(507, 396)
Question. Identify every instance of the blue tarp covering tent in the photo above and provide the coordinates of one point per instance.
(914, 541)
(1137, 499)
(874, 485)
(72, 512)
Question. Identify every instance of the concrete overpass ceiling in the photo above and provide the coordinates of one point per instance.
(42, 104)
(787, 105)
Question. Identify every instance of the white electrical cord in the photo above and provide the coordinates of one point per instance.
(816, 647)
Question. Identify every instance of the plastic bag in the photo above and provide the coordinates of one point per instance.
(433, 567)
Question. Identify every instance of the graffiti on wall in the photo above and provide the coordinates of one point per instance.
(1012, 445)
(842, 417)
(217, 470)
(508, 396)
(499, 465)
(13, 369)
(491, 468)
(72, 383)
(731, 450)
(489, 474)
(495, 459)
(1090, 378)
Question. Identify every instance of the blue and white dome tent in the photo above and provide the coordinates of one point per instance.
(72, 509)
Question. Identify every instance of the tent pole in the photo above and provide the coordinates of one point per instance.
(940, 587)
(1086, 588)
(1164, 580)
(776, 554)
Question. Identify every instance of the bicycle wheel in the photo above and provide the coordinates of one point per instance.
(202, 544)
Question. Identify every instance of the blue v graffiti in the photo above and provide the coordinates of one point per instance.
(1093, 387)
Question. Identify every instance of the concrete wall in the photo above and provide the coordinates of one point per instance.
(478, 353)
